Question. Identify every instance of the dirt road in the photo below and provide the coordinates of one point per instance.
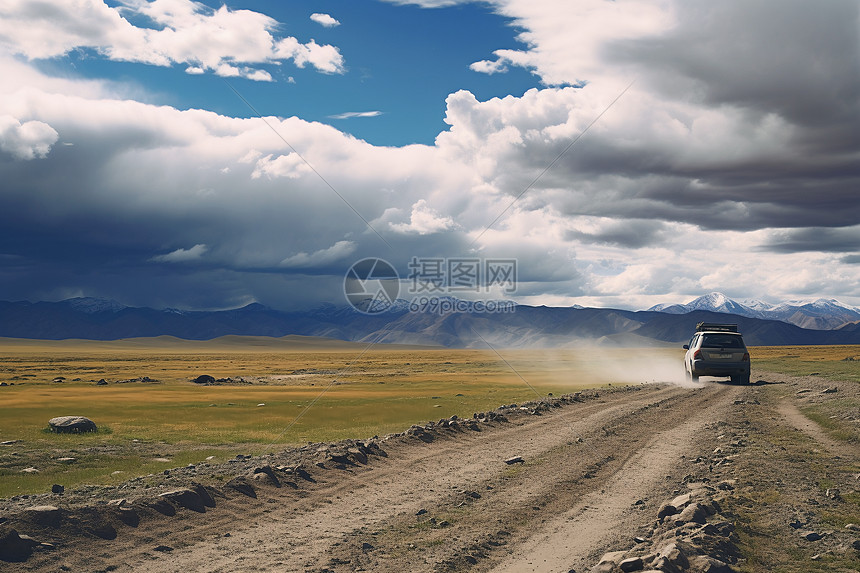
(594, 472)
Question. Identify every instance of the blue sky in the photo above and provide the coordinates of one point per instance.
(401, 61)
(629, 152)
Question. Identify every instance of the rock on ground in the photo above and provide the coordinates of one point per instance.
(72, 424)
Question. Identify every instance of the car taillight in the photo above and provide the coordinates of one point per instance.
(697, 355)
(746, 357)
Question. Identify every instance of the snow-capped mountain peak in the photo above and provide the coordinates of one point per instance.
(712, 301)
(830, 303)
(757, 305)
(715, 302)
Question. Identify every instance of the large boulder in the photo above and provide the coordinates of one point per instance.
(72, 425)
(186, 498)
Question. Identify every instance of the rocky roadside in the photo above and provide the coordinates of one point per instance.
(796, 502)
(784, 492)
(690, 534)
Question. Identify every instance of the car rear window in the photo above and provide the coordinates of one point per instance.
(722, 341)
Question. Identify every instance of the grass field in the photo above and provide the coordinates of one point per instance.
(833, 362)
(149, 426)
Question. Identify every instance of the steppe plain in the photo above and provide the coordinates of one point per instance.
(382, 458)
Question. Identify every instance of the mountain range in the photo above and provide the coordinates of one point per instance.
(527, 326)
(821, 314)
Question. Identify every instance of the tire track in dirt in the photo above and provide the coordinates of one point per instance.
(516, 512)
(568, 541)
(303, 534)
(571, 452)
(795, 418)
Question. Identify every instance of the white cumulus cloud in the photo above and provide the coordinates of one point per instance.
(424, 220)
(489, 66)
(324, 20)
(291, 166)
(27, 140)
(227, 42)
(324, 57)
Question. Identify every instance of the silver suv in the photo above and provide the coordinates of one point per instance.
(717, 350)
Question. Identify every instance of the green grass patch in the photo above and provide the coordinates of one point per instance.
(851, 513)
(830, 415)
(95, 469)
(840, 363)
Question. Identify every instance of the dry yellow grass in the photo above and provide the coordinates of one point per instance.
(833, 362)
(356, 393)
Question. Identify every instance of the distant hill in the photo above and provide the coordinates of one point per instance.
(228, 343)
(528, 326)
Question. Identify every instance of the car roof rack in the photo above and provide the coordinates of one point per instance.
(716, 327)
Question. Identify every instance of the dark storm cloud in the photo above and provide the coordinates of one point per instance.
(632, 234)
(749, 206)
(785, 79)
(720, 203)
(149, 216)
(794, 188)
(795, 58)
(815, 239)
